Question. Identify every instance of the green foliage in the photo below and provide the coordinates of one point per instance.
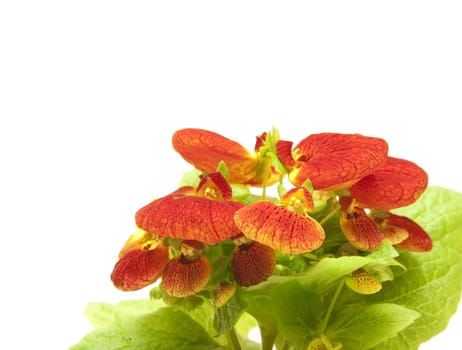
(190, 178)
(298, 312)
(226, 316)
(420, 293)
(432, 281)
(164, 329)
(361, 327)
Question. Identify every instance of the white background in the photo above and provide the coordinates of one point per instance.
(91, 91)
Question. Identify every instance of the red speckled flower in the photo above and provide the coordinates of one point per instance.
(252, 262)
(360, 230)
(187, 273)
(286, 228)
(417, 239)
(206, 149)
(140, 267)
(396, 183)
(366, 231)
(205, 214)
(332, 161)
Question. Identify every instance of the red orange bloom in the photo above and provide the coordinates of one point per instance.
(347, 170)
(417, 239)
(206, 149)
(285, 228)
(140, 267)
(183, 277)
(360, 230)
(205, 214)
(252, 262)
(332, 161)
(396, 183)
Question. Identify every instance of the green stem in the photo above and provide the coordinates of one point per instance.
(233, 339)
(331, 307)
(326, 342)
(285, 346)
(328, 216)
(266, 166)
(267, 338)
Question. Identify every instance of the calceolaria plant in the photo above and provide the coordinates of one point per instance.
(328, 244)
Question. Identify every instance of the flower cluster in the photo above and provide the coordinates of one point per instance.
(214, 234)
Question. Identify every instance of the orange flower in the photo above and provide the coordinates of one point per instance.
(187, 273)
(205, 214)
(417, 240)
(140, 267)
(252, 262)
(285, 228)
(360, 230)
(396, 183)
(367, 231)
(332, 161)
(206, 149)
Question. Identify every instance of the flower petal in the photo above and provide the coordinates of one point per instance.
(397, 183)
(182, 277)
(205, 150)
(260, 141)
(393, 233)
(252, 263)
(284, 153)
(418, 239)
(189, 217)
(299, 199)
(223, 293)
(214, 186)
(334, 161)
(360, 230)
(136, 241)
(139, 268)
(279, 228)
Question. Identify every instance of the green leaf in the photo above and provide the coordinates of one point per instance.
(190, 178)
(203, 315)
(251, 198)
(383, 259)
(432, 281)
(223, 170)
(281, 190)
(362, 327)
(240, 192)
(272, 138)
(298, 311)
(164, 329)
(106, 314)
(325, 275)
(226, 316)
(245, 324)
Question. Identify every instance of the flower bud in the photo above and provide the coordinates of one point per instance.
(223, 293)
(363, 283)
